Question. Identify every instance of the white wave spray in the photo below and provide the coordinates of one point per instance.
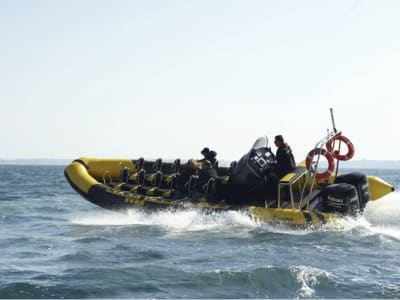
(380, 217)
(178, 221)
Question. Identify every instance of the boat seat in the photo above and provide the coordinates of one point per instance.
(138, 177)
(166, 193)
(135, 188)
(287, 181)
(222, 171)
(107, 179)
(157, 165)
(127, 186)
(191, 185)
(154, 191)
(149, 178)
(158, 179)
(176, 166)
(169, 180)
(148, 166)
(124, 174)
(209, 189)
(145, 190)
(221, 180)
(165, 167)
(154, 179)
(141, 176)
(133, 177)
(139, 163)
(293, 176)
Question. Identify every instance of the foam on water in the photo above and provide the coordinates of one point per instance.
(385, 211)
(384, 215)
(380, 217)
(308, 278)
(180, 222)
(190, 220)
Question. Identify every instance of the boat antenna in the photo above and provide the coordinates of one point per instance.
(333, 120)
(335, 130)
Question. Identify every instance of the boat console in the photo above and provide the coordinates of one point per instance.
(254, 167)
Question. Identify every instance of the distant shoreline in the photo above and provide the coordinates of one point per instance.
(371, 164)
(356, 164)
(35, 161)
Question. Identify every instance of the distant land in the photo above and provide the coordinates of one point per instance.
(371, 164)
(35, 161)
(354, 164)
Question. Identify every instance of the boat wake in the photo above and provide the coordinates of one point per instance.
(380, 217)
(385, 212)
(184, 221)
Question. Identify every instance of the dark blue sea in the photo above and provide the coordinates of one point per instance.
(54, 244)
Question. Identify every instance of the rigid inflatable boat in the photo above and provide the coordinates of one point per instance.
(305, 196)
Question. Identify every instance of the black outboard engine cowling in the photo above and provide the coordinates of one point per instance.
(341, 198)
(360, 182)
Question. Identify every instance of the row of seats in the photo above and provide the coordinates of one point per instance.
(156, 174)
(159, 179)
(158, 165)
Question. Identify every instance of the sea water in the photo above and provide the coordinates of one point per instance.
(55, 244)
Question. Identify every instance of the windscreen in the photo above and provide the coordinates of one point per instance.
(261, 142)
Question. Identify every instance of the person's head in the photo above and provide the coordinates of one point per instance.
(279, 140)
(193, 164)
(205, 151)
(206, 163)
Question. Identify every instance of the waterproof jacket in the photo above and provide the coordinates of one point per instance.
(285, 161)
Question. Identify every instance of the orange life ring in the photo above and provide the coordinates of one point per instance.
(329, 158)
(336, 154)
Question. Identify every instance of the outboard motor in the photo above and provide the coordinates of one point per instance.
(341, 198)
(360, 182)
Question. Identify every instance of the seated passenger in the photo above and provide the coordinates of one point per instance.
(191, 168)
(209, 155)
(205, 173)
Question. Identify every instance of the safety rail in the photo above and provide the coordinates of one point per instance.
(107, 179)
(312, 160)
(287, 181)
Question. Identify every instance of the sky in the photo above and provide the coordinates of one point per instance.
(165, 78)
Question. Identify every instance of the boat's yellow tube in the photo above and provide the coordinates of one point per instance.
(97, 166)
(291, 216)
(84, 171)
(78, 175)
(378, 187)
